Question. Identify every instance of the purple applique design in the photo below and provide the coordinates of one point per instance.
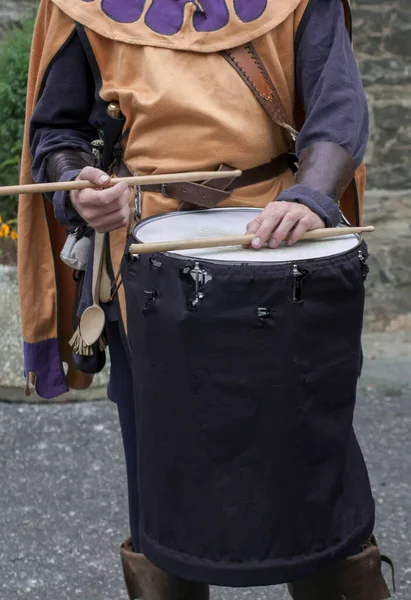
(124, 11)
(166, 17)
(214, 15)
(249, 10)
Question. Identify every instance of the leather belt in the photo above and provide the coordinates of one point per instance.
(209, 193)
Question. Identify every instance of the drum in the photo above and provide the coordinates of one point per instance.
(245, 365)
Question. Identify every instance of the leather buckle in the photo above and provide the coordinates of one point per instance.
(164, 191)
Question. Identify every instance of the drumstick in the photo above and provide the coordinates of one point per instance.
(68, 186)
(236, 240)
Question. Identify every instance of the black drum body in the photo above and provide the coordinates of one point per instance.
(245, 385)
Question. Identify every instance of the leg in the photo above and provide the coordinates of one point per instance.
(143, 579)
(358, 577)
(121, 392)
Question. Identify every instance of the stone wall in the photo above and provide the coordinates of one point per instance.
(382, 42)
(13, 10)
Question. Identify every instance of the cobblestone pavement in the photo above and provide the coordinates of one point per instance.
(63, 503)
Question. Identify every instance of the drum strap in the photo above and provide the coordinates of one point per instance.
(252, 71)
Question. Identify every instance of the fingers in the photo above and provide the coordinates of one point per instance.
(113, 221)
(263, 226)
(116, 218)
(286, 224)
(106, 199)
(264, 232)
(91, 203)
(280, 221)
(103, 209)
(253, 226)
(96, 176)
(299, 230)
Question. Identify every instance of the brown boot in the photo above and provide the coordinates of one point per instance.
(358, 577)
(145, 581)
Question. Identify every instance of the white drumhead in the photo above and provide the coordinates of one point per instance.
(232, 221)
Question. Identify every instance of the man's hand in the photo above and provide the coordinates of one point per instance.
(103, 209)
(281, 220)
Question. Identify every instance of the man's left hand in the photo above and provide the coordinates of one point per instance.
(280, 221)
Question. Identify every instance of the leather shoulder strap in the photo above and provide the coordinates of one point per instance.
(251, 69)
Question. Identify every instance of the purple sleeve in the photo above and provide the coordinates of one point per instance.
(62, 119)
(329, 85)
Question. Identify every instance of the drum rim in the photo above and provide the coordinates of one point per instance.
(185, 257)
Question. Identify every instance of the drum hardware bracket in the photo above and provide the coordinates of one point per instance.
(264, 313)
(364, 264)
(149, 297)
(155, 262)
(299, 275)
(201, 278)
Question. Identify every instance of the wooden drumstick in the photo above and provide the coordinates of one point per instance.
(68, 186)
(236, 240)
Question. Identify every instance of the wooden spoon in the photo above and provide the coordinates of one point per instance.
(93, 318)
(105, 282)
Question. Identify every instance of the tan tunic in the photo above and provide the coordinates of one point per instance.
(190, 111)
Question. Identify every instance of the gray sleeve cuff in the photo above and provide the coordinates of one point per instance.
(322, 205)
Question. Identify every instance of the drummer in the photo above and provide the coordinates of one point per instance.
(185, 108)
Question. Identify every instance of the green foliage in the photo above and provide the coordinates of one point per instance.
(14, 60)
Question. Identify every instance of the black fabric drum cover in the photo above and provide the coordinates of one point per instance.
(249, 469)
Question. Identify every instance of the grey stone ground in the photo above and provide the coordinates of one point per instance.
(63, 503)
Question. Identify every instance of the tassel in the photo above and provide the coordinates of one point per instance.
(80, 347)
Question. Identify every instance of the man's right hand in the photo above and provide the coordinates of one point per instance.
(104, 209)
